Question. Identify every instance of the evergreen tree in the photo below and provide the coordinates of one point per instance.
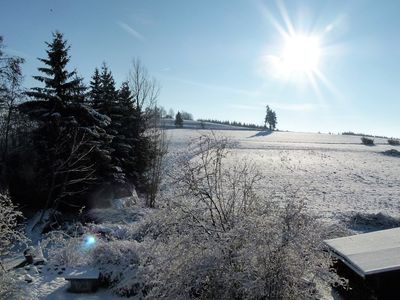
(95, 89)
(126, 138)
(178, 120)
(267, 116)
(104, 99)
(68, 139)
(273, 120)
(270, 119)
(58, 82)
(79, 94)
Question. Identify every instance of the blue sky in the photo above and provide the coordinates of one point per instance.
(214, 58)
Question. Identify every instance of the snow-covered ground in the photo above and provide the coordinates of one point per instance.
(336, 174)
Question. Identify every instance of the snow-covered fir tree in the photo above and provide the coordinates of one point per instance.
(68, 138)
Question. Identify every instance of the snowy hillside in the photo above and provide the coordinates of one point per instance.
(337, 174)
(191, 124)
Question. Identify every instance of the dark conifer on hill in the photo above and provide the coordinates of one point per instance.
(178, 120)
(270, 118)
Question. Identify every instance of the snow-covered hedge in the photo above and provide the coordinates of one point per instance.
(118, 262)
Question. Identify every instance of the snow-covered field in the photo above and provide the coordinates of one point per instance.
(335, 174)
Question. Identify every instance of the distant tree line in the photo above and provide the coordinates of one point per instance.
(232, 123)
(65, 145)
(363, 134)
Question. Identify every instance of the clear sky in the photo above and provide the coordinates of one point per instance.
(327, 66)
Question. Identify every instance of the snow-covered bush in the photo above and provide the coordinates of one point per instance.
(393, 142)
(7, 284)
(115, 215)
(118, 262)
(278, 255)
(10, 233)
(367, 141)
(68, 250)
(221, 239)
(12, 286)
(219, 193)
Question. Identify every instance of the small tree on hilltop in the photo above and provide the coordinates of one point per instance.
(178, 120)
(270, 119)
(273, 121)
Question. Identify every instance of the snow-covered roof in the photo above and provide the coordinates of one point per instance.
(369, 253)
(82, 273)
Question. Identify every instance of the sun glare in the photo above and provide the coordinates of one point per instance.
(298, 54)
(301, 54)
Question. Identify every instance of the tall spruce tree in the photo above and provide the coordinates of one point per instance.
(67, 139)
(104, 99)
(95, 89)
(127, 137)
(58, 82)
(270, 118)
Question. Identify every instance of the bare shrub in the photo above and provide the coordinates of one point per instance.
(158, 150)
(393, 142)
(223, 193)
(367, 141)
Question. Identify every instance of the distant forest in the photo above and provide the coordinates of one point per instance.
(233, 123)
(363, 134)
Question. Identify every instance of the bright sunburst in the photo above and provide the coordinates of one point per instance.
(301, 53)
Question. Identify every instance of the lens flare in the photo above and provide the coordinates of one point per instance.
(89, 241)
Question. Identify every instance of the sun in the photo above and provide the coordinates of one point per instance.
(301, 53)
